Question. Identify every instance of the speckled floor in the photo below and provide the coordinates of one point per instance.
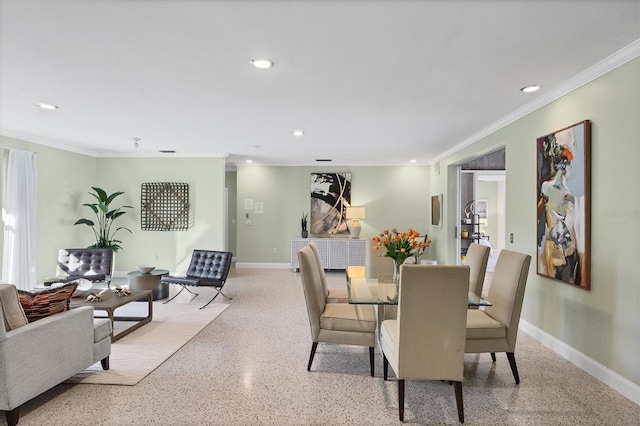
(248, 367)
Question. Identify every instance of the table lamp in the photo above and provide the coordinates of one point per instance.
(354, 214)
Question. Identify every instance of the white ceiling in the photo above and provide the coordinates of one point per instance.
(370, 82)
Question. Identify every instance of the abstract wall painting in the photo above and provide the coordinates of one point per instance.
(563, 205)
(330, 197)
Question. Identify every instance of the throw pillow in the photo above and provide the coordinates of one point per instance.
(12, 312)
(45, 303)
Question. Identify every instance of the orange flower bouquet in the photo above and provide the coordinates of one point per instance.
(399, 245)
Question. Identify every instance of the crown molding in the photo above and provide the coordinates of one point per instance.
(608, 64)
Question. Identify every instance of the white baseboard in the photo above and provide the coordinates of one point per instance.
(252, 265)
(610, 378)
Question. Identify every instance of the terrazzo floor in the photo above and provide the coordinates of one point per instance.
(248, 367)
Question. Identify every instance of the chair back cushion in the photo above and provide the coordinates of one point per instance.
(507, 291)
(376, 263)
(477, 259)
(432, 318)
(12, 311)
(314, 294)
(210, 265)
(81, 262)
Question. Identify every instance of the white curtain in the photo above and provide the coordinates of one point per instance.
(19, 216)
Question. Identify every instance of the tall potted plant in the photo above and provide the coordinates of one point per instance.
(103, 227)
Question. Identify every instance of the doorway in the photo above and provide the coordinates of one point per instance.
(481, 201)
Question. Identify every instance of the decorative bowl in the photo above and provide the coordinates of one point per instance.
(145, 269)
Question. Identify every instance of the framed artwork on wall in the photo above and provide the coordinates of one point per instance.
(436, 210)
(563, 205)
(330, 197)
(482, 211)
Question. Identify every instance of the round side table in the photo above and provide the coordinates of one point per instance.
(151, 281)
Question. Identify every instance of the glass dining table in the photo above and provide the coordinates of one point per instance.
(382, 291)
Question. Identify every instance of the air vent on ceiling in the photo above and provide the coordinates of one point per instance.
(167, 151)
(323, 160)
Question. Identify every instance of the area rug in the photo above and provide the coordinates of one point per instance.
(136, 355)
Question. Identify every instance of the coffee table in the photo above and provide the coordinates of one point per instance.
(110, 302)
(149, 281)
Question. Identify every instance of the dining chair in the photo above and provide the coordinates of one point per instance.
(427, 340)
(376, 264)
(477, 259)
(338, 323)
(333, 295)
(495, 328)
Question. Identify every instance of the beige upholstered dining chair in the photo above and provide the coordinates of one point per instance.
(332, 295)
(376, 264)
(426, 342)
(477, 259)
(340, 323)
(495, 328)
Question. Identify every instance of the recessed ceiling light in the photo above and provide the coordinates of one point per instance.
(262, 63)
(47, 106)
(297, 133)
(532, 88)
(413, 160)
(249, 161)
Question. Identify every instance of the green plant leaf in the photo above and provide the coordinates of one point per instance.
(93, 207)
(112, 196)
(102, 227)
(102, 195)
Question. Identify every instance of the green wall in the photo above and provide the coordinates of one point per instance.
(167, 249)
(392, 197)
(603, 323)
(65, 178)
(62, 182)
(232, 222)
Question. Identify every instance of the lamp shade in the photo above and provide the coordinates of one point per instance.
(355, 213)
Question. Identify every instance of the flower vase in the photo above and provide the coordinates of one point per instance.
(396, 272)
(396, 282)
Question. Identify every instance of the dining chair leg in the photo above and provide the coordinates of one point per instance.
(493, 356)
(514, 368)
(401, 399)
(385, 366)
(371, 360)
(459, 403)
(313, 352)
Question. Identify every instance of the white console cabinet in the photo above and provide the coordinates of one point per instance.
(336, 253)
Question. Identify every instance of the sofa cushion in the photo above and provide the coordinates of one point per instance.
(45, 303)
(101, 329)
(12, 311)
